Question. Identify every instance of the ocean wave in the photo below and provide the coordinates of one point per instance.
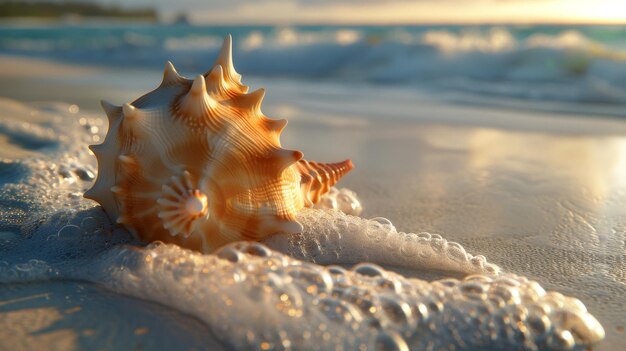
(562, 64)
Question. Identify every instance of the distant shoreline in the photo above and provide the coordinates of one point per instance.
(74, 20)
(72, 11)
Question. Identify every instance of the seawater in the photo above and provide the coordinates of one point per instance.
(332, 287)
(583, 64)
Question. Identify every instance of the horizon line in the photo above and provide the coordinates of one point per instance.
(270, 23)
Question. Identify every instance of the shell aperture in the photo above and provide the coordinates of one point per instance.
(196, 163)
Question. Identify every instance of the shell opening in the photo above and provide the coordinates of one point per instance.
(182, 206)
(197, 204)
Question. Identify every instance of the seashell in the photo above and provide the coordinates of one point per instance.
(196, 163)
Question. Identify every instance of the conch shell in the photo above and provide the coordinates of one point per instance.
(196, 163)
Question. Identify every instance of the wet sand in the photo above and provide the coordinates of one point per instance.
(540, 194)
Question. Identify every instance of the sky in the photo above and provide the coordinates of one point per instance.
(390, 11)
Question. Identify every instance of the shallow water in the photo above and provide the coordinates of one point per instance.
(76, 315)
(255, 296)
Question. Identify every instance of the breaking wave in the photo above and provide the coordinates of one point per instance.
(575, 64)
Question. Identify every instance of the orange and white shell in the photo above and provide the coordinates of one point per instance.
(196, 163)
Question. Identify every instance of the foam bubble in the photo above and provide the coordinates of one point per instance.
(252, 296)
(331, 236)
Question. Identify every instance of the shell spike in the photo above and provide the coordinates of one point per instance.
(318, 178)
(198, 87)
(225, 59)
(293, 155)
(170, 75)
(197, 105)
(252, 101)
(96, 149)
(129, 111)
(198, 93)
(277, 125)
(215, 82)
(113, 112)
(90, 194)
(285, 158)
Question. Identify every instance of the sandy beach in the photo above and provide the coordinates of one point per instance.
(540, 194)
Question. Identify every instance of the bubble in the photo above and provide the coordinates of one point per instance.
(229, 253)
(23, 267)
(327, 202)
(347, 204)
(504, 294)
(69, 232)
(539, 324)
(256, 249)
(434, 305)
(584, 328)
(419, 312)
(337, 271)
(65, 173)
(456, 252)
(491, 269)
(84, 174)
(574, 304)
(396, 311)
(311, 279)
(438, 244)
(385, 223)
(390, 341)
(183, 272)
(155, 245)
(388, 282)
(409, 245)
(478, 261)
(369, 270)
(424, 236)
(473, 290)
(561, 340)
(375, 230)
(312, 248)
(507, 282)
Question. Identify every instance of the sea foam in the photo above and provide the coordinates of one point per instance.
(311, 291)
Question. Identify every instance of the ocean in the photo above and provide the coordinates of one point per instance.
(580, 64)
